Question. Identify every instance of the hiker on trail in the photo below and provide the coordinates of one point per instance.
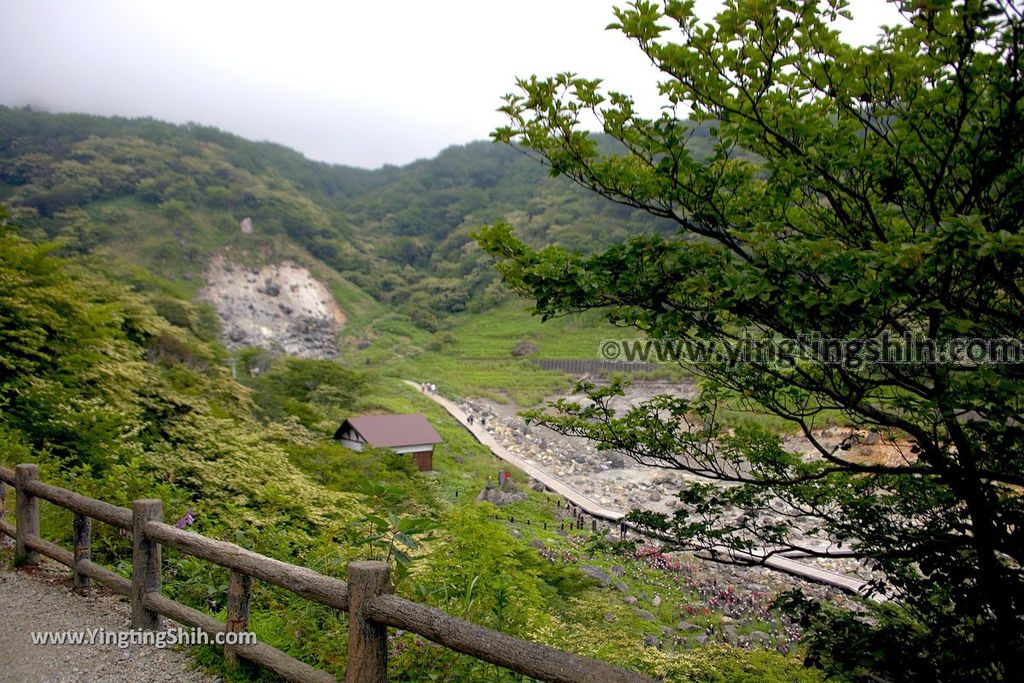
(469, 419)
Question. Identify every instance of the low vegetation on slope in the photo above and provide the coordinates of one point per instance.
(119, 390)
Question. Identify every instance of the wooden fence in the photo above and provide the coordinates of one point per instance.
(366, 596)
(583, 366)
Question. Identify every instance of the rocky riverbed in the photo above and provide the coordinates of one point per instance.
(616, 481)
(681, 601)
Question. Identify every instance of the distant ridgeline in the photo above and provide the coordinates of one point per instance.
(169, 197)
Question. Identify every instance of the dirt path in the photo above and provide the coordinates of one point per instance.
(41, 600)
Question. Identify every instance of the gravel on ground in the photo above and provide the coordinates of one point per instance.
(42, 599)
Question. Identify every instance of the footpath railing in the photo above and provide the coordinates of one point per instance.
(589, 366)
(366, 596)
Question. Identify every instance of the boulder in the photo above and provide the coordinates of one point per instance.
(597, 574)
(499, 497)
(524, 348)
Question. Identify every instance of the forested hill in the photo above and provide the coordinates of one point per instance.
(168, 197)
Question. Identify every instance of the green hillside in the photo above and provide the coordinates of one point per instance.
(113, 379)
(392, 244)
(166, 197)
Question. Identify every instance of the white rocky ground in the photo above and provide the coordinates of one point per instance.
(618, 482)
(278, 306)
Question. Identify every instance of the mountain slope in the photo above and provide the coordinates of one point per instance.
(169, 197)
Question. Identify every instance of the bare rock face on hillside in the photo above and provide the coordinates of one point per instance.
(280, 307)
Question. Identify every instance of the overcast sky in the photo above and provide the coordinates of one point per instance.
(360, 83)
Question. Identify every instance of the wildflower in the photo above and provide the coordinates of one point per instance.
(187, 519)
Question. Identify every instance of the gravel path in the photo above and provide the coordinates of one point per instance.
(41, 599)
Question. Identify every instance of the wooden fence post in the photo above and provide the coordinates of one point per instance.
(82, 530)
(145, 562)
(239, 592)
(367, 640)
(3, 499)
(26, 514)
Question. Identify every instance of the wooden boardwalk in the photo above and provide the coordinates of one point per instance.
(588, 505)
(788, 565)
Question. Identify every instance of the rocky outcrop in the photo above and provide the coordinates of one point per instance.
(499, 497)
(597, 574)
(278, 307)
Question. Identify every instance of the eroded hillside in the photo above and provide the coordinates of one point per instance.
(278, 306)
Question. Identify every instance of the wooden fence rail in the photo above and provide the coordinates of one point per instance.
(590, 366)
(366, 596)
